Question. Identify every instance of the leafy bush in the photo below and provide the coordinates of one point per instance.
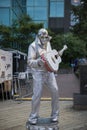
(76, 46)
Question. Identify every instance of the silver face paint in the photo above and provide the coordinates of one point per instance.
(44, 39)
(43, 36)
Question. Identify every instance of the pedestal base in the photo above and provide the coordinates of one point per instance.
(43, 124)
(80, 101)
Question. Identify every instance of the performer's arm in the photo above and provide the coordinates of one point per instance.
(33, 61)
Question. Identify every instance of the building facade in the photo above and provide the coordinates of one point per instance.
(54, 14)
(10, 10)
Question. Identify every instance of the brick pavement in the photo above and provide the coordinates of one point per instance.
(67, 84)
(14, 114)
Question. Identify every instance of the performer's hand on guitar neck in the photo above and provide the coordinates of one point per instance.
(61, 51)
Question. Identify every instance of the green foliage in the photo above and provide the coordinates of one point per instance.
(5, 35)
(76, 46)
(20, 34)
(80, 13)
(23, 32)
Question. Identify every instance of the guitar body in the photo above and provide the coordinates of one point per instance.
(51, 60)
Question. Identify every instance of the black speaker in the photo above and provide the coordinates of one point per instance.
(83, 79)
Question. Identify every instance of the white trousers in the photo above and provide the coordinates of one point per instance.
(39, 79)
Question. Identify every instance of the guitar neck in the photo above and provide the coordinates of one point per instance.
(60, 53)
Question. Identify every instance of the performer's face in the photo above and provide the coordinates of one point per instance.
(44, 39)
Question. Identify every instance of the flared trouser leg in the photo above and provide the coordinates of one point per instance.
(37, 92)
(52, 84)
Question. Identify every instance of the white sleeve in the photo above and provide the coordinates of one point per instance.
(49, 48)
(32, 61)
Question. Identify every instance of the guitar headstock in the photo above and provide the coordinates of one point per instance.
(65, 47)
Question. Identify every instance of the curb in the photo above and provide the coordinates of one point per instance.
(44, 99)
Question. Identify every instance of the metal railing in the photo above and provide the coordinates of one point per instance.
(19, 87)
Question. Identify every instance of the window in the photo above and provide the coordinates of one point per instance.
(4, 16)
(5, 3)
(38, 10)
(56, 8)
(37, 13)
(18, 8)
(37, 3)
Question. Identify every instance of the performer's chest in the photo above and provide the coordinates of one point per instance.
(41, 50)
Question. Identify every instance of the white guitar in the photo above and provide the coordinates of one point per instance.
(52, 59)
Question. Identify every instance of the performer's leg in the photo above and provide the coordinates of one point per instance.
(37, 92)
(52, 84)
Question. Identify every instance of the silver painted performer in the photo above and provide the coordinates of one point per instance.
(41, 76)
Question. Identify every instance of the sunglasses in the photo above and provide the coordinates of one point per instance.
(44, 37)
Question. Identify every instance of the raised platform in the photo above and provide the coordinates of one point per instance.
(43, 124)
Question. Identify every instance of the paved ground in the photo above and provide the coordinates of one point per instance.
(13, 115)
(67, 84)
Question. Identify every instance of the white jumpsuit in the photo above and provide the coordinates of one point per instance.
(40, 77)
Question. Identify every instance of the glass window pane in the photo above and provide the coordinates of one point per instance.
(52, 9)
(40, 3)
(30, 12)
(37, 3)
(30, 3)
(5, 3)
(37, 13)
(4, 16)
(40, 13)
(60, 9)
(38, 10)
(56, 8)
(14, 3)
